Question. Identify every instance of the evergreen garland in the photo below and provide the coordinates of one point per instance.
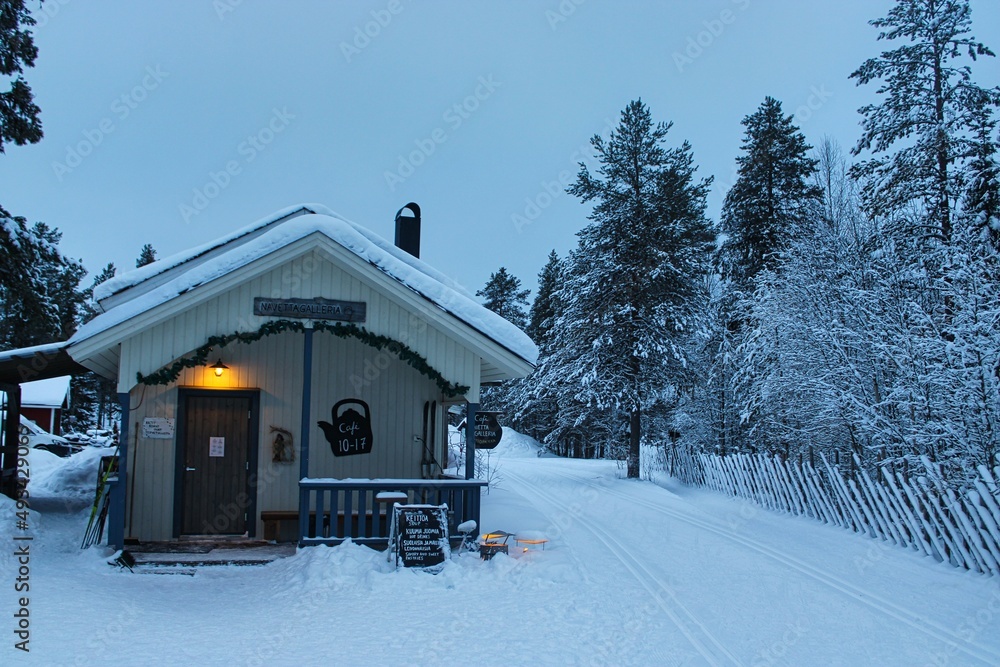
(168, 374)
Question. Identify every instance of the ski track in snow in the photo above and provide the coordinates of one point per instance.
(907, 616)
(655, 586)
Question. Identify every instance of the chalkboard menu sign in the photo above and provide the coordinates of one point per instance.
(488, 430)
(420, 535)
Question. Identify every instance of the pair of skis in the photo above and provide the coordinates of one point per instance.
(102, 500)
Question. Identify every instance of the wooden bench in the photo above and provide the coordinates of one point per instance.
(274, 518)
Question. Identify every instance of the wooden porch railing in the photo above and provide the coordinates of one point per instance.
(331, 510)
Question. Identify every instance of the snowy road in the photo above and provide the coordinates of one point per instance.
(633, 574)
(740, 586)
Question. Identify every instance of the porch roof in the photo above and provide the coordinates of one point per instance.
(37, 363)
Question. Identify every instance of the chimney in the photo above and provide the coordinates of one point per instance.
(408, 230)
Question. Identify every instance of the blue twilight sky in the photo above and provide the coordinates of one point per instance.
(176, 122)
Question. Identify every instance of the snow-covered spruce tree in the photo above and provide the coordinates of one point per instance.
(772, 197)
(808, 372)
(548, 405)
(920, 129)
(633, 288)
(503, 295)
(982, 198)
(39, 295)
(93, 399)
(929, 191)
(19, 122)
(527, 411)
(542, 313)
(146, 256)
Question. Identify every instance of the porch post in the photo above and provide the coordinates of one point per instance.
(11, 439)
(304, 435)
(116, 503)
(470, 440)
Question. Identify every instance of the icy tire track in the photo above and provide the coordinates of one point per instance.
(653, 584)
(907, 616)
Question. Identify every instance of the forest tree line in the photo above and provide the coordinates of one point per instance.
(843, 302)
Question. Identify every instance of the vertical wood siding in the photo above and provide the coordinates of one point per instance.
(342, 368)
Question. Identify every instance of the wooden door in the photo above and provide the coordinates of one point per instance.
(217, 447)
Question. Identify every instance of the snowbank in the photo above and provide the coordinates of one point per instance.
(73, 478)
(517, 445)
(9, 530)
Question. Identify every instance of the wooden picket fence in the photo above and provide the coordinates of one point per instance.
(917, 512)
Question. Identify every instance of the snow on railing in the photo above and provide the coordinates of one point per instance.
(922, 513)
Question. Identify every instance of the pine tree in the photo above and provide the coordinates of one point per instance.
(772, 197)
(542, 313)
(20, 303)
(632, 290)
(529, 408)
(40, 300)
(504, 296)
(60, 278)
(928, 105)
(93, 399)
(146, 256)
(19, 122)
(90, 308)
(982, 198)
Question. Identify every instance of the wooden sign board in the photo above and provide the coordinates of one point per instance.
(311, 309)
(488, 430)
(419, 536)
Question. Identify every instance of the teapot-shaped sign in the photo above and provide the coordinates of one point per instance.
(351, 431)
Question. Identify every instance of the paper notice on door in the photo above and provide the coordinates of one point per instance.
(216, 446)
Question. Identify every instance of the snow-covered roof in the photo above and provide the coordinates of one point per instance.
(38, 362)
(50, 393)
(133, 278)
(379, 253)
(28, 352)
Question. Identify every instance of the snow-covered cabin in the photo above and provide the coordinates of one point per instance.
(43, 401)
(229, 356)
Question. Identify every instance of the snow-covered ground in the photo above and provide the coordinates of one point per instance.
(634, 573)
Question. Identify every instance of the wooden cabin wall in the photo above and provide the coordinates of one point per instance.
(396, 394)
(273, 365)
(309, 276)
(342, 368)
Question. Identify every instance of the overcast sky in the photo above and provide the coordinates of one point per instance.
(174, 123)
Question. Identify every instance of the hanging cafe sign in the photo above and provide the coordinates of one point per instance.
(313, 309)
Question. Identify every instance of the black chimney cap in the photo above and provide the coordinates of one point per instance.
(408, 230)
